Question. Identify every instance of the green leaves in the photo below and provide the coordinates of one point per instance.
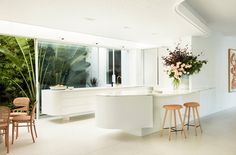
(10, 56)
(18, 65)
(63, 64)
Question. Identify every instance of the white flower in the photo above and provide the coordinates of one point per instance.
(177, 64)
(188, 66)
(181, 69)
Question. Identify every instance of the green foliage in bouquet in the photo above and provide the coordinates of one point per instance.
(180, 62)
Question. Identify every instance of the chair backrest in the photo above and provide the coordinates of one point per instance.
(4, 114)
(23, 103)
(33, 112)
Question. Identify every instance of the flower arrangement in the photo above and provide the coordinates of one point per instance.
(181, 62)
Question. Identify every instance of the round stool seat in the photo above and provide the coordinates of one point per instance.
(191, 104)
(173, 107)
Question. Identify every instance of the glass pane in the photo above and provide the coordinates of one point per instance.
(118, 66)
(109, 66)
(66, 64)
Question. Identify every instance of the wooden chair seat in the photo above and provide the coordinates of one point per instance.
(191, 104)
(3, 126)
(21, 118)
(172, 107)
(14, 114)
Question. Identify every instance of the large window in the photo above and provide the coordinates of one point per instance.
(66, 64)
(114, 66)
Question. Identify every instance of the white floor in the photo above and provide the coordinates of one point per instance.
(81, 137)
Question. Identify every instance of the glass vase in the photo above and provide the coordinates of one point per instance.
(176, 83)
(184, 83)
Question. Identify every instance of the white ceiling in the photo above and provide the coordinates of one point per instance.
(220, 15)
(143, 21)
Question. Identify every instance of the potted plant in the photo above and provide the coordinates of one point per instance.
(93, 82)
(181, 62)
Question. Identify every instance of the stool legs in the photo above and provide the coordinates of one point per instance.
(189, 109)
(199, 120)
(170, 124)
(194, 118)
(182, 123)
(170, 128)
(163, 123)
(195, 112)
(175, 121)
(185, 113)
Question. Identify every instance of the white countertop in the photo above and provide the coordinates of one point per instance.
(154, 92)
(126, 93)
(179, 92)
(129, 91)
(97, 88)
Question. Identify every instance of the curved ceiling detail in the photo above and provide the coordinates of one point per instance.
(186, 12)
(144, 22)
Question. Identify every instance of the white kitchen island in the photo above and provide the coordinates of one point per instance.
(141, 113)
(78, 101)
(136, 110)
(124, 110)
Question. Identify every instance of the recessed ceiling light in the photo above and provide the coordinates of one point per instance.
(127, 27)
(154, 33)
(89, 19)
(61, 38)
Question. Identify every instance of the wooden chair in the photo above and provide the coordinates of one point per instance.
(22, 106)
(20, 121)
(172, 108)
(194, 106)
(4, 124)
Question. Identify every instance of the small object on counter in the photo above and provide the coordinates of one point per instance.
(70, 88)
(58, 87)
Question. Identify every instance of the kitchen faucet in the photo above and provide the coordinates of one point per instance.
(118, 77)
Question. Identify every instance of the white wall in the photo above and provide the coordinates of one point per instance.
(124, 67)
(223, 97)
(215, 73)
(165, 82)
(102, 66)
(151, 67)
(135, 67)
(210, 47)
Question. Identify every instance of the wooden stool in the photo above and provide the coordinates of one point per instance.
(188, 107)
(172, 108)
